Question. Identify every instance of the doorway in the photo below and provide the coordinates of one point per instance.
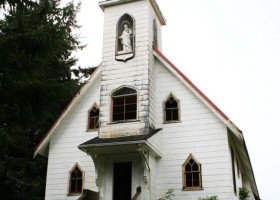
(122, 181)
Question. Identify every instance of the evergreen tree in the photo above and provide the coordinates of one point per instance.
(36, 56)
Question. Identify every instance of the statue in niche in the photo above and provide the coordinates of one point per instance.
(125, 38)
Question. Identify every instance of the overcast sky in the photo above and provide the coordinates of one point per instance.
(231, 51)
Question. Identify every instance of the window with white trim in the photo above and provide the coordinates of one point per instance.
(124, 105)
(93, 117)
(171, 109)
(191, 169)
(76, 180)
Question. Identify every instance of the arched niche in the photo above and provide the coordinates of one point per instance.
(125, 39)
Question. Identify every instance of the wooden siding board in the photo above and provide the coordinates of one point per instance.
(199, 132)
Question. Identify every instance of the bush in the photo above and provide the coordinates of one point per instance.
(243, 193)
(210, 198)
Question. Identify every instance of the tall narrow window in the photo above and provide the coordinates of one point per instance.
(124, 103)
(191, 173)
(155, 41)
(171, 109)
(93, 117)
(233, 171)
(76, 181)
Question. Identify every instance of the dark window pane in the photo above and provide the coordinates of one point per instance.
(195, 167)
(118, 117)
(130, 99)
(188, 167)
(130, 115)
(175, 114)
(168, 115)
(196, 179)
(118, 101)
(189, 180)
(73, 187)
(79, 186)
(130, 107)
(191, 161)
(118, 109)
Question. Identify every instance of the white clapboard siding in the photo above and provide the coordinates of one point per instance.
(199, 133)
(64, 152)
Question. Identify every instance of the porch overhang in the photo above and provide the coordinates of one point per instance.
(121, 145)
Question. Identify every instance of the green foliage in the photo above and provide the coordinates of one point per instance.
(210, 198)
(243, 193)
(36, 82)
(168, 195)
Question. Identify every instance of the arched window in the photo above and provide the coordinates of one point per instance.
(76, 180)
(191, 173)
(93, 117)
(171, 109)
(124, 104)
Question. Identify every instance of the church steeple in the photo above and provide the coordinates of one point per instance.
(131, 29)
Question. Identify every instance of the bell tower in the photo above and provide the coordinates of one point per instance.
(131, 29)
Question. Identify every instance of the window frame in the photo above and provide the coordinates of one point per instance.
(184, 181)
(70, 193)
(112, 121)
(178, 110)
(89, 118)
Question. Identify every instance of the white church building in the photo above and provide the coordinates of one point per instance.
(139, 127)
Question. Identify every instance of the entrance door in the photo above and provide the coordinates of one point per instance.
(122, 181)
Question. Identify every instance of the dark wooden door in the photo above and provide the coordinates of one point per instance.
(122, 181)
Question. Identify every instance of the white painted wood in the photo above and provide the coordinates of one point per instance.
(64, 152)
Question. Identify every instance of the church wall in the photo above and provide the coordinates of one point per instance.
(64, 152)
(199, 132)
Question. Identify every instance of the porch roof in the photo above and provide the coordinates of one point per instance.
(104, 143)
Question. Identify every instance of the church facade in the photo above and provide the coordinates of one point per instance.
(140, 128)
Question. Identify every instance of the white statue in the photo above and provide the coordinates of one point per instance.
(126, 37)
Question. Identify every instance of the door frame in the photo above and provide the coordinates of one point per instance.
(136, 176)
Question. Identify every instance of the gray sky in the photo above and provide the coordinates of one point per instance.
(230, 50)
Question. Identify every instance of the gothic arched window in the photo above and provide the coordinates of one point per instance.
(93, 117)
(191, 173)
(124, 105)
(171, 109)
(76, 180)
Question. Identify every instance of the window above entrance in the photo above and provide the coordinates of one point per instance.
(124, 105)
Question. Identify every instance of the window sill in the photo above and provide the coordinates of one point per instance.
(192, 189)
(122, 122)
(92, 130)
(75, 194)
(172, 122)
